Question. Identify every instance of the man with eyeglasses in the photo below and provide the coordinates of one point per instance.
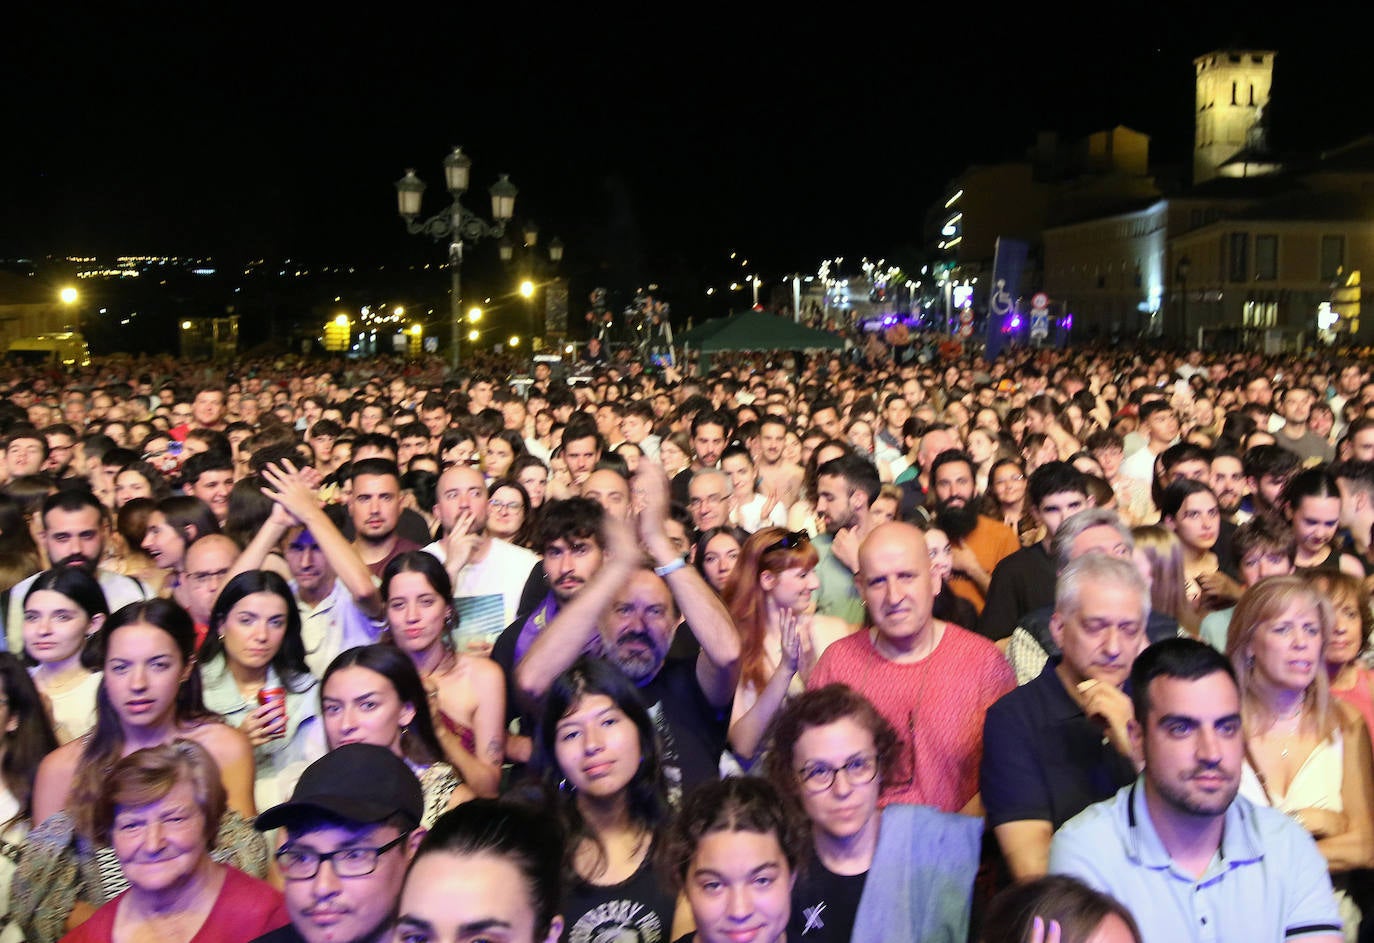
(708, 498)
(1058, 744)
(351, 827)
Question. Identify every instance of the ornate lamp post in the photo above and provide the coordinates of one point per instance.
(457, 223)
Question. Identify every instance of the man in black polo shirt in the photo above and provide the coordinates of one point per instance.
(1024, 581)
(1059, 743)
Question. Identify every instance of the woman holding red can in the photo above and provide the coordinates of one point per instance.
(252, 666)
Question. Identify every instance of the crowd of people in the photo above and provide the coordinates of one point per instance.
(1070, 646)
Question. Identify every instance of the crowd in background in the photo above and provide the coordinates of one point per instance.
(805, 647)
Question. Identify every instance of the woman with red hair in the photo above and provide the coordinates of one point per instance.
(781, 637)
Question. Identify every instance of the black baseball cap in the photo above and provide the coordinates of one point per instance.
(358, 782)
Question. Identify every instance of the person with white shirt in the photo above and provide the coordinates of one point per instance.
(488, 573)
(339, 602)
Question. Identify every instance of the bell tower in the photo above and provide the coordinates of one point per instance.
(1232, 91)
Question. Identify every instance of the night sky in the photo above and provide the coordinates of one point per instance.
(660, 140)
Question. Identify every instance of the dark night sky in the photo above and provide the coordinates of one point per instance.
(244, 131)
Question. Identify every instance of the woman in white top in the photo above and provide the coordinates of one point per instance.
(63, 610)
(749, 508)
(1306, 754)
(252, 667)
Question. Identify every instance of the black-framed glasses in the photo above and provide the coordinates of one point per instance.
(300, 864)
(789, 541)
(818, 777)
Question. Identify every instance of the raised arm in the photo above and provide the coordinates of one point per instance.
(289, 489)
(563, 639)
(698, 603)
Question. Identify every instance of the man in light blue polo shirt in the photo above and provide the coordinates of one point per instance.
(1190, 858)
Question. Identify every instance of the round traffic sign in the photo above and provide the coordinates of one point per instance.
(1040, 300)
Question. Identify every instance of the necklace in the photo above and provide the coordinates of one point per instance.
(1293, 723)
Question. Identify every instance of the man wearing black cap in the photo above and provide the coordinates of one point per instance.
(351, 826)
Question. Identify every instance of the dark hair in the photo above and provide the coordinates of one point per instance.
(73, 499)
(1077, 908)
(523, 536)
(249, 510)
(1171, 498)
(646, 793)
(83, 589)
(858, 473)
(526, 837)
(32, 737)
(734, 804)
(289, 661)
(817, 708)
(426, 564)
(1264, 530)
(1052, 478)
(419, 742)
(202, 462)
(374, 466)
(567, 519)
(706, 536)
(1272, 460)
(105, 744)
(157, 482)
(1183, 658)
(1317, 482)
(183, 511)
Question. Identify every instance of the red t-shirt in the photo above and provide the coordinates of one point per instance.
(245, 909)
(936, 705)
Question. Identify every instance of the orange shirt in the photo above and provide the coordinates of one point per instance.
(991, 542)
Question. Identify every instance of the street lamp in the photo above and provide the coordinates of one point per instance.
(456, 223)
(1181, 270)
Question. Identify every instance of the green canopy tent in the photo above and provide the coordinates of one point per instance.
(754, 330)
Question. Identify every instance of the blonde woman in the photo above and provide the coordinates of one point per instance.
(1306, 754)
(1159, 556)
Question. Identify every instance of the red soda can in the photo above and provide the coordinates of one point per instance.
(274, 696)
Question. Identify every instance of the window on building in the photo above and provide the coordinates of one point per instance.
(1333, 256)
(1266, 258)
(1233, 93)
(1260, 313)
(1238, 263)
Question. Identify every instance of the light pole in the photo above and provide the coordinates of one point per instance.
(456, 223)
(1181, 273)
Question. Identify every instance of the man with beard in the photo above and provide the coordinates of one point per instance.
(978, 543)
(1296, 409)
(75, 528)
(488, 573)
(1187, 855)
(374, 505)
(633, 612)
(61, 449)
(845, 490)
(1228, 481)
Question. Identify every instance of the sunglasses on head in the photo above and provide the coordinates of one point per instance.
(789, 541)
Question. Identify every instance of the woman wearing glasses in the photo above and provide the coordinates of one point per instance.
(159, 811)
(781, 638)
(831, 751)
(510, 515)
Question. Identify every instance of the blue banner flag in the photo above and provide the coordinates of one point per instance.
(1008, 263)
